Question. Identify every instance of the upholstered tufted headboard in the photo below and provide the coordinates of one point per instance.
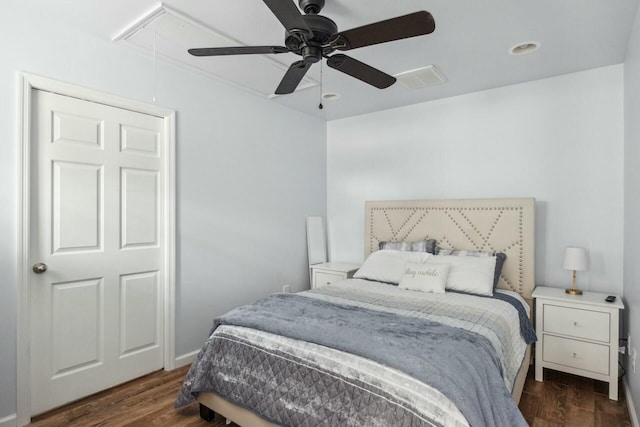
(500, 225)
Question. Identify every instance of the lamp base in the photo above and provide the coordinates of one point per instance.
(573, 291)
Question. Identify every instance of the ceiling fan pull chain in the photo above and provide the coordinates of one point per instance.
(320, 106)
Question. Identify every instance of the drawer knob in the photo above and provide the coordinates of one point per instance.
(574, 355)
(328, 283)
(575, 323)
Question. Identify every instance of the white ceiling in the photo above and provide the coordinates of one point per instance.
(469, 46)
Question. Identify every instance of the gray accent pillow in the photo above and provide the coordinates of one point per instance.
(500, 259)
(427, 245)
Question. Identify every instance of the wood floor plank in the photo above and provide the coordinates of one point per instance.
(539, 422)
(154, 414)
(69, 414)
(585, 403)
(611, 413)
(532, 386)
(561, 400)
(580, 393)
(152, 400)
(530, 406)
(576, 416)
(99, 408)
(554, 402)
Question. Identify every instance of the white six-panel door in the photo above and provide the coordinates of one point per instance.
(96, 312)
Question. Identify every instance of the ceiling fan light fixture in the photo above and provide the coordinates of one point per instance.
(524, 48)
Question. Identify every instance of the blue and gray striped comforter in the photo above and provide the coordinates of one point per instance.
(362, 353)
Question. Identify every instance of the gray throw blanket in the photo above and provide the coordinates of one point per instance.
(462, 365)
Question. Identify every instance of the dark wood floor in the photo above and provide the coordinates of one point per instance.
(568, 400)
(561, 400)
(147, 401)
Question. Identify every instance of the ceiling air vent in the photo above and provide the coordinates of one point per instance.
(421, 77)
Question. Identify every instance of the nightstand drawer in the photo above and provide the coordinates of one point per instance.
(323, 278)
(576, 354)
(593, 325)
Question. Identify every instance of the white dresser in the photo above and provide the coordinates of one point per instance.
(578, 334)
(329, 272)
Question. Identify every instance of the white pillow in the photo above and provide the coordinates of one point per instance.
(387, 265)
(468, 273)
(427, 277)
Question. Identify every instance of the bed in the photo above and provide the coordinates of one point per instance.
(338, 372)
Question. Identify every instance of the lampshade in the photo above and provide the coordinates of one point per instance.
(575, 259)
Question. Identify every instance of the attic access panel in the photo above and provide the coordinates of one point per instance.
(175, 32)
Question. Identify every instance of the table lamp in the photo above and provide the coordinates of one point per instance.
(575, 259)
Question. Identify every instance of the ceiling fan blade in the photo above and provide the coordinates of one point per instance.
(360, 71)
(289, 15)
(401, 27)
(237, 50)
(292, 78)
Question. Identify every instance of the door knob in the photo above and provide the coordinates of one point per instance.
(39, 268)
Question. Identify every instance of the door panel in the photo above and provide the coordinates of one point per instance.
(139, 222)
(77, 206)
(139, 323)
(96, 186)
(71, 128)
(77, 322)
(140, 141)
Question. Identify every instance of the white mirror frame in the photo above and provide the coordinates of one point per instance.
(316, 241)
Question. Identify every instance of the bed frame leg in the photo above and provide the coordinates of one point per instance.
(206, 413)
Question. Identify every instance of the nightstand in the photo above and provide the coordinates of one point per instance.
(578, 334)
(329, 272)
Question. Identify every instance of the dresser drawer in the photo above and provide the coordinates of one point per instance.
(592, 325)
(322, 278)
(576, 354)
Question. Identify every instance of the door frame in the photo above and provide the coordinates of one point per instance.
(27, 84)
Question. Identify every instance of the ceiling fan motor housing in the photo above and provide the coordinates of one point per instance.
(310, 50)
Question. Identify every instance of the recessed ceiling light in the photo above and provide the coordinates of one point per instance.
(524, 48)
(331, 96)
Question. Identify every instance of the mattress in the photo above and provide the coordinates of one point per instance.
(296, 382)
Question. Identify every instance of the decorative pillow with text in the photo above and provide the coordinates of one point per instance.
(425, 277)
(387, 265)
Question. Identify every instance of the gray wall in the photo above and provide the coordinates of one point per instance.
(632, 202)
(559, 140)
(248, 173)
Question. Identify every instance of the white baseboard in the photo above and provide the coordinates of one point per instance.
(632, 409)
(185, 359)
(10, 421)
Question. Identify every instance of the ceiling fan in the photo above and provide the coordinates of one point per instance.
(313, 37)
